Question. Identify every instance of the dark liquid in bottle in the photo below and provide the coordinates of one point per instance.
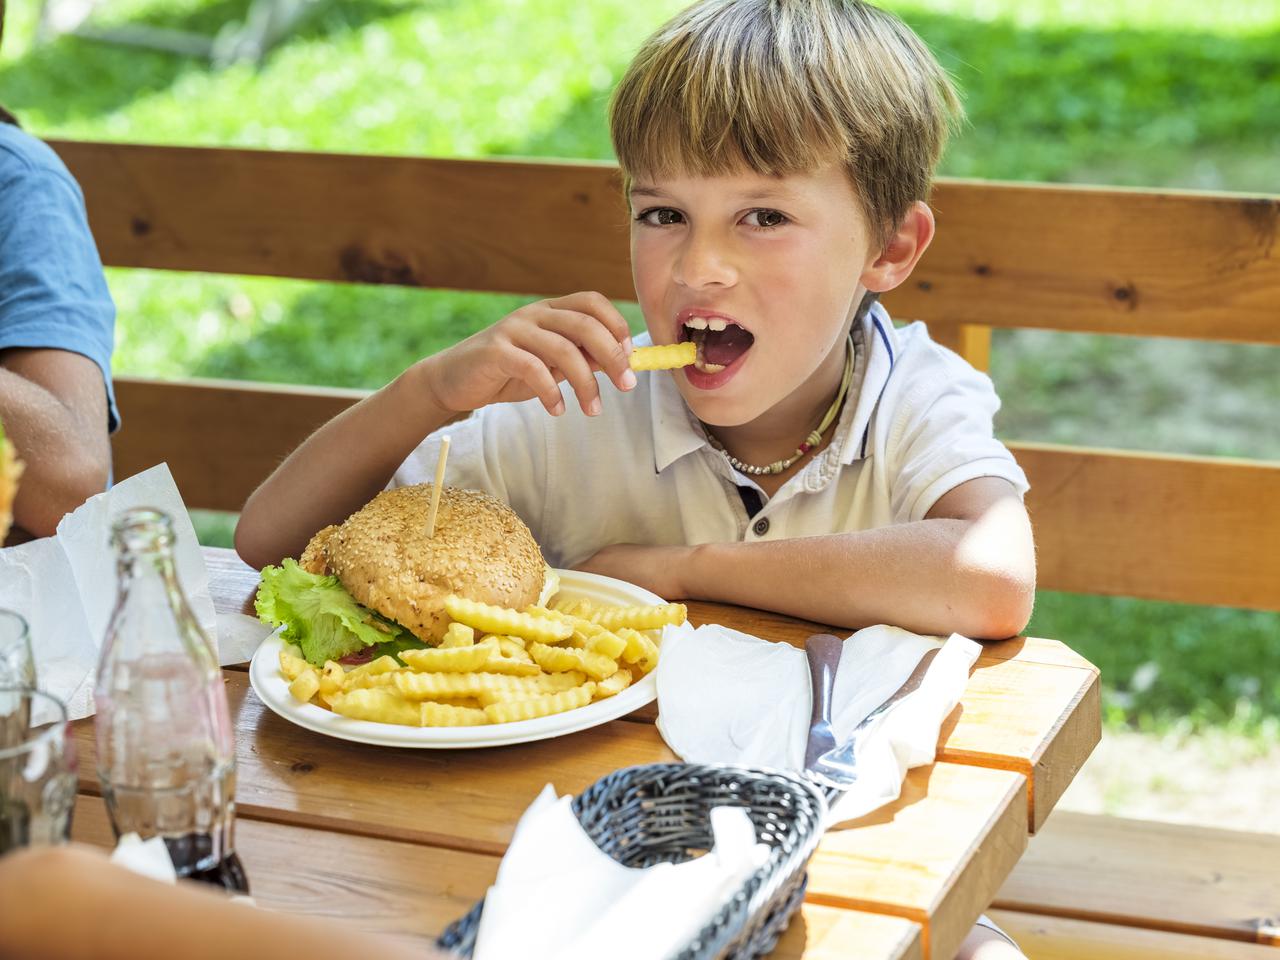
(190, 851)
(15, 825)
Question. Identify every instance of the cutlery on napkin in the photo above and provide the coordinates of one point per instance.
(727, 697)
(559, 895)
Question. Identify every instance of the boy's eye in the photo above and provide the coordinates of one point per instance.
(766, 218)
(660, 216)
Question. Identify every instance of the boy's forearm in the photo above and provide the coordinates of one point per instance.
(910, 575)
(338, 468)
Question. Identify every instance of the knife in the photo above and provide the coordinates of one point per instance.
(823, 653)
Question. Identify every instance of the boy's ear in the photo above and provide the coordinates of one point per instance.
(904, 249)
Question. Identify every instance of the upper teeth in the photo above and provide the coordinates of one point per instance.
(703, 323)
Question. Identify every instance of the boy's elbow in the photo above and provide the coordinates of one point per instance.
(1001, 605)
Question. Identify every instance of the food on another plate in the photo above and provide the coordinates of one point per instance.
(10, 470)
(545, 660)
(665, 357)
(377, 584)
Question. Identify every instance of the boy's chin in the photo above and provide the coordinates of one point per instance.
(720, 408)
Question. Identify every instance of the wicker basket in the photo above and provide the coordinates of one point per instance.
(661, 813)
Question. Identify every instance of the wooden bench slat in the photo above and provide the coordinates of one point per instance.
(1061, 938)
(404, 889)
(1007, 255)
(1183, 879)
(1100, 516)
(1189, 529)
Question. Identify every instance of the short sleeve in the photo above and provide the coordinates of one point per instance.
(942, 434)
(53, 294)
(499, 450)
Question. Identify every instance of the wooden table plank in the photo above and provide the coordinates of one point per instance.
(946, 845)
(406, 889)
(1031, 705)
(958, 830)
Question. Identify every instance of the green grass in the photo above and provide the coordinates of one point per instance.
(1134, 92)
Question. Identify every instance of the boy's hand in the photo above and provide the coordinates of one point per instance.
(530, 351)
(658, 569)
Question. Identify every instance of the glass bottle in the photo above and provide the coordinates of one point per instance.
(166, 757)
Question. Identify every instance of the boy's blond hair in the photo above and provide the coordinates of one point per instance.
(784, 86)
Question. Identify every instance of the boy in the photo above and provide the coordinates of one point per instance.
(815, 460)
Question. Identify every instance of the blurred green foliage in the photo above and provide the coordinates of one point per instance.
(1135, 92)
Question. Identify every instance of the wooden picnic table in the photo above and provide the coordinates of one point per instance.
(405, 841)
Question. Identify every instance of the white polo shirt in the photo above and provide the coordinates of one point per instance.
(918, 423)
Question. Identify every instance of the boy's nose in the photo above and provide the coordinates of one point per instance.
(704, 262)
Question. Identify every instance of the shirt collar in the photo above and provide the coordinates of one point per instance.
(676, 433)
(876, 350)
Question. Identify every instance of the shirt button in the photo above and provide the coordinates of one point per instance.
(761, 526)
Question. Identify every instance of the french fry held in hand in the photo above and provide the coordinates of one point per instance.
(494, 665)
(667, 357)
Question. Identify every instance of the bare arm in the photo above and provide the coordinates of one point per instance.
(969, 567)
(347, 461)
(54, 407)
(71, 903)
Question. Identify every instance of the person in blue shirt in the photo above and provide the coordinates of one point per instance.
(57, 325)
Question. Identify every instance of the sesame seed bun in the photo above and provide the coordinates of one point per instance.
(382, 555)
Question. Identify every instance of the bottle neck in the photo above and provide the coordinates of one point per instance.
(152, 608)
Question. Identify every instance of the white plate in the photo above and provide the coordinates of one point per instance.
(273, 690)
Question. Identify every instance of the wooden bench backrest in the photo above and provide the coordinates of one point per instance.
(1197, 266)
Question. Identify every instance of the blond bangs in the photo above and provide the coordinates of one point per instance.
(785, 86)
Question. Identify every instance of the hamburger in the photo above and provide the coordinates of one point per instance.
(10, 470)
(376, 584)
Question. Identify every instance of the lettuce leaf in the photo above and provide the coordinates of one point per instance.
(318, 614)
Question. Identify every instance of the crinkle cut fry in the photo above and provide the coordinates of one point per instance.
(491, 619)
(541, 706)
(642, 618)
(664, 357)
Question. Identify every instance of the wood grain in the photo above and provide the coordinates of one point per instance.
(405, 889)
(960, 829)
(1006, 255)
(1188, 529)
(1061, 938)
(1183, 879)
(952, 823)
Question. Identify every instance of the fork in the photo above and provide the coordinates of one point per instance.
(838, 767)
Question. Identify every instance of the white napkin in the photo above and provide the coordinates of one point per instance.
(65, 586)
(727, 697)
(559, 895)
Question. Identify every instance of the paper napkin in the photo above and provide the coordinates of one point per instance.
(728, 697)
(559, 895)
(65, 587)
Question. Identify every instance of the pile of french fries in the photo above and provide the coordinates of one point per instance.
(495, 665)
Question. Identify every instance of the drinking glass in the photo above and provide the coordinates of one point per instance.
(17, 664)
(37, 771)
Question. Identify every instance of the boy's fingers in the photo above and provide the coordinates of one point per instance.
(533, 373)
(599, 306)
(603, 352)
(563, 354)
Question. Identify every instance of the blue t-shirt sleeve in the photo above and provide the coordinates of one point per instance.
(52, 290)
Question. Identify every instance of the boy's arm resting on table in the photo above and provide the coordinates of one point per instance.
(53, 405)
(71, 903)
(968, 567)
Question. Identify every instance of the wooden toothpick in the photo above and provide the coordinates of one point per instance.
(435, 490)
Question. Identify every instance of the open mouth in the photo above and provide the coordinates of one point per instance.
(721, 342)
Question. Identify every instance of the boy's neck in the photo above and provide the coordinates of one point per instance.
(777, 433)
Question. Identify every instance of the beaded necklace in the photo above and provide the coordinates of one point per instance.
(811, 441)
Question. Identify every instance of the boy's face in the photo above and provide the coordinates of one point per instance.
(762, 272)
